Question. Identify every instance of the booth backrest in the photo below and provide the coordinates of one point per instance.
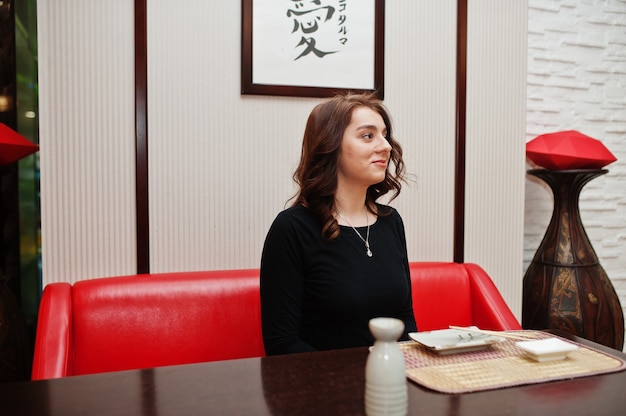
(144, 321)
(459, 294)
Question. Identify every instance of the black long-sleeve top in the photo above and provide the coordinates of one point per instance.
(318, 295)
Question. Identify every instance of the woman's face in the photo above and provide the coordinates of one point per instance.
(365, 151)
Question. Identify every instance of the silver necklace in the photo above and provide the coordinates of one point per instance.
(366, 240)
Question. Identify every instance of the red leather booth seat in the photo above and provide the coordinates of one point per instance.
(143, 321)
(459, 294)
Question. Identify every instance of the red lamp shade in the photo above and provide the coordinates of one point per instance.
(13, 146)
(568, 150)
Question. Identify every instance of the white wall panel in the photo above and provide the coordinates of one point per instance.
(86, 87)
(420, 93)
(496, 94)
(220, 163)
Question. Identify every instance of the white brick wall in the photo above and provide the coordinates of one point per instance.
(577, 80)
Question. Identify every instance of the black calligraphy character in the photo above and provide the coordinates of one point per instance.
(307, 19)
(309, 26)
(310, 42)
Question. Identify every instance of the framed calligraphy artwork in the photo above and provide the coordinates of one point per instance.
(312, 48)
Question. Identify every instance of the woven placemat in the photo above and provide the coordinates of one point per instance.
(502, 365)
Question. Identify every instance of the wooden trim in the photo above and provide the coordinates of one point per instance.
(141, 137)
(461, 112)
(379, 50)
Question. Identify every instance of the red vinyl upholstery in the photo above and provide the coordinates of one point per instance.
(143, 321)
(447, 294)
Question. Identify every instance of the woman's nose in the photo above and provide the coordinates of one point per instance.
(383, 144)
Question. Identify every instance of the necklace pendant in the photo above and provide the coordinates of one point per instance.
(366, 240)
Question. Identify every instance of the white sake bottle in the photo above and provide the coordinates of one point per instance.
(385, 376)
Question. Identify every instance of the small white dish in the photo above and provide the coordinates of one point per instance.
(549, 349)
(453, 341)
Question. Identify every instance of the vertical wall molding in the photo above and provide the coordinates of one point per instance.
(141, 137)
(460, 122)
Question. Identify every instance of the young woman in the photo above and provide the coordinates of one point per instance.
(336, 258)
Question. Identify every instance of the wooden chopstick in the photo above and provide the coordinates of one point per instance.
(518, 336)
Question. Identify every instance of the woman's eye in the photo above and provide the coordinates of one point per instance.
(368, 136)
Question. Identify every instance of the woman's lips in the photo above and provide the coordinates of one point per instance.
(381, 163)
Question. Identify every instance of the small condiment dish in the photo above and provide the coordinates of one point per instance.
(549, 349)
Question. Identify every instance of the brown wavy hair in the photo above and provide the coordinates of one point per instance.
(316, 174)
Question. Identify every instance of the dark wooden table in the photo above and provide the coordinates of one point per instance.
(322, 383)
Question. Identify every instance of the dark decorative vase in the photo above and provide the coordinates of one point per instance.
(565, 287)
